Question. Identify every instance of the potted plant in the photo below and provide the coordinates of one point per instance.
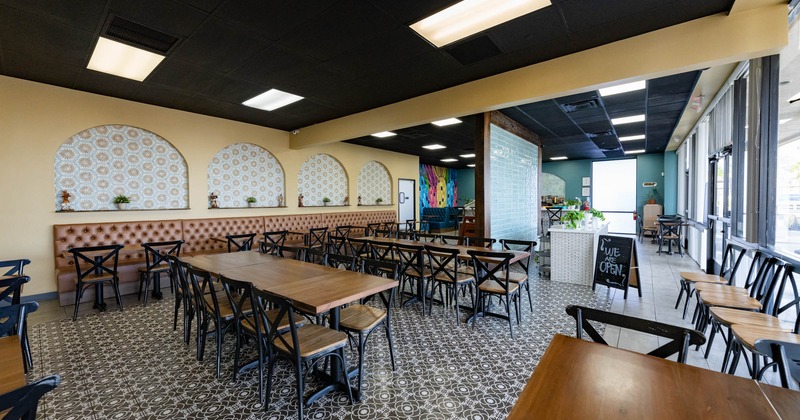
(572, 204)
(251, 201)
(325, 201)
(597, 214)
(652, 196)
(572, 218)
(378, 201)
(122, 201)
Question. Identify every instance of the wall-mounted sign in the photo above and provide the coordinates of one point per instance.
(649, 184)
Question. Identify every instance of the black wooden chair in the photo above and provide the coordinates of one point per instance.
(239, 295)
(13, 322)
(337, 244)
(681, 337)
(444, 265)
(478, 241)
(731, 260)
(96, 265)
(243, 242)
(371, 228)
(22, 403)
(303, 346)
(316, 237)
(359, 247)
(273, 241)
(13, 268)
(213, 309)
(363, 319)
(451, 240)
(342, 262)
(491, 276)
(408, 235)
(522, 278)
(183, 296)
(314, 256)
(414, 273)
(10, 290)
(787, 357)
(292, 252)
(427, 237)
(155, 263)
(343, 230)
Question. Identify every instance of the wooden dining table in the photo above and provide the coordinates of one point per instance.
(581, 379)
(312, 288)
(518, 255)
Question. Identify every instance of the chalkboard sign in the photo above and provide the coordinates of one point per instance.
(616, 264)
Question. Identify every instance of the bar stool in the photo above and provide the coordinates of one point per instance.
(92, 270)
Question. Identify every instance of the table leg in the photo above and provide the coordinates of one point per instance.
(157, 287)
(99, 302)
(334, 378)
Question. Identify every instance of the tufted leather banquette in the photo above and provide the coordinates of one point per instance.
(196, 233)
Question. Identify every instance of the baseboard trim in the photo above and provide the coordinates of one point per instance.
(40, 297)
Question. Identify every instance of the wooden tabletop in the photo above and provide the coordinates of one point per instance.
(12, 372)
(785, 401)
(518, 255)
(579, 379)
(218, 262)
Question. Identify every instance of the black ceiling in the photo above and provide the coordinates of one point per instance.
(344, 56)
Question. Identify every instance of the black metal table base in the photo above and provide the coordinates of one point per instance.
(99, 303)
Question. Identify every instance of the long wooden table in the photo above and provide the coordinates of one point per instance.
(12, 370)
(312, 288)
(518, 255)
(580, 379)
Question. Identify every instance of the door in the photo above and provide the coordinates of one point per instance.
(614, 193)
(406, 197)
(720, 179)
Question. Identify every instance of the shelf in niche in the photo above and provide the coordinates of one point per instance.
(255, 207)
(329, 205)
(115, 210)
(376, 205)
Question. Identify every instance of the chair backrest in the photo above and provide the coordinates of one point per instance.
(411, 225)
(283, 311)
(203, 284)
(243, 242)
(411, 259)
(443, 262)
(761, 283)
(388, 269)
(315, 256)
(14, 267)
(342, 262)
(451, 239)
(524, 246)
(786, 356)
(22, 403)
(337, 244)
(13, 318)
(779, 306)
(384, 233)
(358, 247)
(770, 284)
(155, 252)
(371, 228)
(409, 235)
(285, 251)
(272, 241)
(681, 337)
(93, 259)
(177, 270)
(11, 289)
(316, 237)
(382, 251)
(239, 295)
(343, 230)
(491, 265)
(731, 260)
(427, 237)
(478, 241)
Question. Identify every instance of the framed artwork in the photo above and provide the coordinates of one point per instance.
(586, 181)
(585, 191)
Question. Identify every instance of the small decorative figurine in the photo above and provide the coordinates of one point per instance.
(346, 200)
(213, 198)
(65, 205)
(280, 200)
(300, 200)
(359, 200)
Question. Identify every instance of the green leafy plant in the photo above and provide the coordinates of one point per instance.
(378, 200)
(122, 199)
(572, 218)
(573, 202)
(251, 200)
(597, 214)
(326, 200)
(653, 195)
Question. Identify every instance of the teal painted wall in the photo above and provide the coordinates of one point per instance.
(649, 167)
(670, 183)
(466, 185)
(571, 171)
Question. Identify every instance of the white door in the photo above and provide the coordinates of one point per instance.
(406, 210)
(614, 193)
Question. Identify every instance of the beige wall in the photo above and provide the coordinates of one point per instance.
(36, 118)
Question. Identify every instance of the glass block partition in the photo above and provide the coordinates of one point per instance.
(515, 198)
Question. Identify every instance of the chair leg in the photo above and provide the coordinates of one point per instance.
(735, 362)
(117, 296)
(78, 294)
(361, 344)
(299, 378)
(141, 282)
(528, 289)
(219, 347)
(680, 294)
(237, 351)
(714, 327)
(175, 317)
(146, 287)
(391, 342)
(455, 296)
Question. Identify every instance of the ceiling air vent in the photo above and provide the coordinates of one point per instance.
(413, 134)
(474, 50)
(137, 35)
(580, 105)
(599, 134)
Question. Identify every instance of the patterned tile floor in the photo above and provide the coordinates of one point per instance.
(132, 365)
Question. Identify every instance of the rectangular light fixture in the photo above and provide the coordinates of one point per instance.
(449, 121)
(627, 120)
(449, 160)
(434, 147)
(122, 60)
(383, 134)
(559, 158)
(794, 98)
(784, 121)
(471, 165)
(470, 155)
(627, 87)
(631, 138)
(633, 152)
(469, 17)
(272, 100)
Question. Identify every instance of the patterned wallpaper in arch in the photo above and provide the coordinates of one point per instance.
(101, 162)
(244, 170)
(322, 176)
(374, 182)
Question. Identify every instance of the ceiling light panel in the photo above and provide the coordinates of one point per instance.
(631, 138)
(627, 87)
(434, 147)
(627, 120)
(384, 134)
(272, 100)
(471, 165)
(470, 155)
(559, 158)
(449, 160)
(449, 121)
(633, 152)
(122, 60)
(469, 17)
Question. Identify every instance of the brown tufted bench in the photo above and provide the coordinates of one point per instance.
(94, 234)
(293, 223)
(198, 232)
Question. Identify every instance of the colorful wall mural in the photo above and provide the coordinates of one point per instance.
(438, 187)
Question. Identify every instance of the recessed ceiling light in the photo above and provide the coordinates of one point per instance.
(434, 147)
(633, 152)
(784, 121)
(449, 160)
(559, 158)
(272, 100)
(471, 155)
(471, 165)
(627, 87)
(122, 60)
(469, 17)
(383, 134)
(627, 120)
(449, 121)
(630, 138)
